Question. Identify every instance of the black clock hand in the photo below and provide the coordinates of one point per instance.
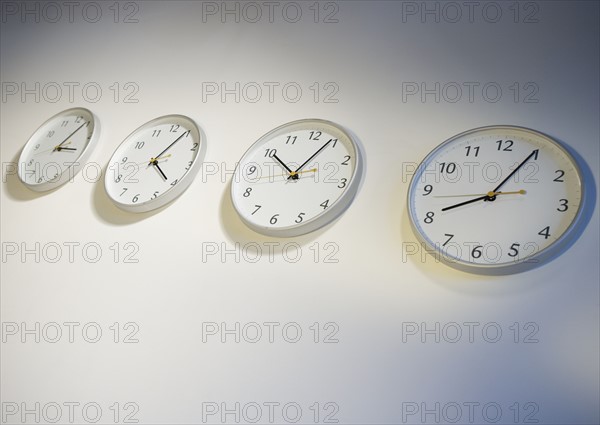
(166, 149)
(283, 164)
(295, 173)
(534, 153)
(481, 198)
(58, 148)
(155, 163)
(69, 136)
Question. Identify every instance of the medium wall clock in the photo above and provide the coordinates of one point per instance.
(297, 178)
(155, 163)
(496, 200)
(58, 149)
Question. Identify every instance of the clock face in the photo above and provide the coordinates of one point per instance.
(496, 199)
(297, 178)
(155, 163)
(58, 149)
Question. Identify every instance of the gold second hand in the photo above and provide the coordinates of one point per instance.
(312, 170)
(490, 194)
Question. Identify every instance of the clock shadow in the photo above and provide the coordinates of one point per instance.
(108, 212)
(236, 231)
(16, 190)
(486, 285)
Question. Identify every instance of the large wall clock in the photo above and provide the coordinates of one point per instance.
(496, 200)
(297, 178)
(155, 163)
(58, 149)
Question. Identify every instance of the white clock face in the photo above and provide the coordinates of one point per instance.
(58, 149)
(155, 163)
(297, 178)
(496, 199)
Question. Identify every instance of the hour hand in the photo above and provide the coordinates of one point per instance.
(293, 175)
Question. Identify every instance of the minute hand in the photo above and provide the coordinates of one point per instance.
(167, 148)
(534, 153)
(311, 158)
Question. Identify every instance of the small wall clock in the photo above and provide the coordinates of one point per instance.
(58, 149)
(496, 200)
(155, 163)
(297, 178)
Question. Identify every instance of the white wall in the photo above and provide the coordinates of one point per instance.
(370, 294)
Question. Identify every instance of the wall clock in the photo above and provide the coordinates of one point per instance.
(58, 149)
(155, 163)
(496, 200)
(297, 178)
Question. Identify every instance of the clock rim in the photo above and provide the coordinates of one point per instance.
(324, 218)
(533, 261)
(77, 165)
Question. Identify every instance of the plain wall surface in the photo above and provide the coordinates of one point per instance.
(366, 362)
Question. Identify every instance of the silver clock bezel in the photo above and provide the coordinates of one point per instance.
(177, 190)
(71, 171)
(327, 216)
(521, 265)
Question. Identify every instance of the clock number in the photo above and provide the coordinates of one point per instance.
(124, 160)
(342, 183)
(429, 217)
(174, 182)
(559, 178)
(428, 188)
(247, 192)
(50, 133)
(563, 205)
(189, 165)
(156, 133)
(346, 159)
(291, 139)
(174, 128)
(475, 150)
(449, 238)
(36, 147)
(155, 195)
(545, 232)
(299, 219)
(139, 145)
(314, 135)
(30, 161)
(273, 219)
(135, 198)
(476, 253)
(507, 145)
(258, 207)
(324, 204)
(450, 167)
(64, 123)
(124, 190)
(334, 142)
(535, 155)
(194, 147)
(78, 119)
(270, 152)
(39, 180)
(119, 177)
(514, 250)
(187, 133)
(251, 170)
